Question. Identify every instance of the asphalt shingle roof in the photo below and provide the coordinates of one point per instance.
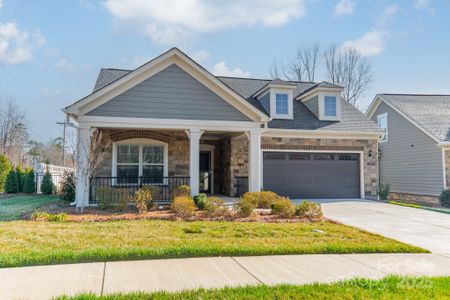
(431, 112)
(351, 118)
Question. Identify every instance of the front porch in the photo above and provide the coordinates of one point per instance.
(210, 161)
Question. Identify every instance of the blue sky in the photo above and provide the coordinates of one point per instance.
(51, 51)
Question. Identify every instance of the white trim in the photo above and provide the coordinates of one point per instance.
(386, 134)
(328, 134)
(254, 161)
(173, 56)
(273, 86)
(317, 90)
(376, 102)
(210, 149)
(321, 99)
(361, 163)
(273, 104)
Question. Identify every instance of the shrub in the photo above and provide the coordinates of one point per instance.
(283, 208)
(20, 179)
(181, 191)
(68, 187)
(47, 185)
(200, 200)
(29, 185)
(115, 198)
(11, 184)
(444, 198)
(156, 193)
(47, 217)
(264, 199)
(142, 199)
(310, 210)
(383, 190)
(5, 167)
(246, 206)
(183, 207)
(214, 206)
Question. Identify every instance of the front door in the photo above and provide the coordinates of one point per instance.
(205, 172)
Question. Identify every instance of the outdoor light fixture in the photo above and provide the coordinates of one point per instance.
(370, 153)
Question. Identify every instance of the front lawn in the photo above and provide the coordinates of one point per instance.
(13, 208)
(391, 287)
(33, 243)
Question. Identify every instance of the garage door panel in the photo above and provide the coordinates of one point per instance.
(312, 175)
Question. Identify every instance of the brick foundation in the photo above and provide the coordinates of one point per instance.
(415, 199)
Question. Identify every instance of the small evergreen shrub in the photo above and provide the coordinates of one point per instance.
(181, 191)
(112, 198)
(67, 192)
(29, 185)
(44, 216)
(444, 198)
(142, 199)
(11, 184)
(183, 207)
(283, 208)
(246, 206)
(20, 179)
(200, 200)
(5, 167)
(383, 190)
(214, 206)
(47, 186)
(310, 210)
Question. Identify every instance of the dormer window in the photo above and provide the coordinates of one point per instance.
(281, 104)
(330, 106)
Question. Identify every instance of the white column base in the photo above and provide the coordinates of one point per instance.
(254, 153)
(194, 160)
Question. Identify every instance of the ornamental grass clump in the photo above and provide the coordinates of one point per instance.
(214, 206)
(283, 208)
(246, 206)
(181, 191)
(183, 207)
(263, 199)
(309, 210)
(142, 199)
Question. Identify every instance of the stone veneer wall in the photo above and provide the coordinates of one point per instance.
(235, 161)
(370, 164)
(415, 199)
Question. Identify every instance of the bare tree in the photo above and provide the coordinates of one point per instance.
(12, 127)
(347, 68)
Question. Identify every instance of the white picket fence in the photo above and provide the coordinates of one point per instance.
(57, 173)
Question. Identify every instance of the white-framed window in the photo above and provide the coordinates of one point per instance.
(330, 106)
(281, 104)
(139, 158)
(383, 123)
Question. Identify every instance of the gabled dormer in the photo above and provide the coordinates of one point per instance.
(323, 100)
(277, 98)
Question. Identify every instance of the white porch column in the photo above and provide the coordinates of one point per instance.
(254, 161)
(82, 164)
(194, 158)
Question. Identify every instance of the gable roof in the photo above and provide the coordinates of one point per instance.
(431, 113)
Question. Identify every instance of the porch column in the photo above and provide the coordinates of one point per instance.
(82, 165)
(254, 161)
(194, 159)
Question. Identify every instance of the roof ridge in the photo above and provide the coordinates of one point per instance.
(117, 69)
(251, 78)
(414, 94)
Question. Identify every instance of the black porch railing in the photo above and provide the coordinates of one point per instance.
(129, 185)
(241, 185)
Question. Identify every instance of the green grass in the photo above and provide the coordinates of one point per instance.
(33, 243)
(436, 209)
(392, 287)
(13, 208)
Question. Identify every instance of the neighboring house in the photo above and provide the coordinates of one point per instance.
(415, 150)
(172, 122)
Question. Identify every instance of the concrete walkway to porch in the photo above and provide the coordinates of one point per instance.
(44, 282)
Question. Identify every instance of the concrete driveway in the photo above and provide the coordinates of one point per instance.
(426, 229)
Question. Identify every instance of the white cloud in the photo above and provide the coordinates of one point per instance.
(16, 46)
(66, 65)
(200, 56)
(221, 69)
(169, 22)
(423, 5)
(344, 7)
(1, 4)
(388, 15)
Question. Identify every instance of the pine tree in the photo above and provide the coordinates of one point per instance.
(5, 167)
(11, 184)
(29, 185)
(68, 187)
(47, 184)
(20, 179)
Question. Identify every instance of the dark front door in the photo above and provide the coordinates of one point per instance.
(205, 172)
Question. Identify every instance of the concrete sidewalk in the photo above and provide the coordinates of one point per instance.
(44, 282)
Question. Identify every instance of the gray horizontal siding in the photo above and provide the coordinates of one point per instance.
(411, 169)
(313, 105)
(265, 102)
(170, 94)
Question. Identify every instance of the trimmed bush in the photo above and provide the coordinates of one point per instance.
(156, 194)
(47, 186)
(142, 199)
(214, 206)
(43, 216)
(383, 190)
(183, 207)
(29, 185)
(112, 198)
(5, 167)
(200, 200)
(11, 184)
(444, 198)
(246, 206)
(283, 208)
(68, 187)
(181, 191)
(20, 179)
(310, 210)
(264, 199)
